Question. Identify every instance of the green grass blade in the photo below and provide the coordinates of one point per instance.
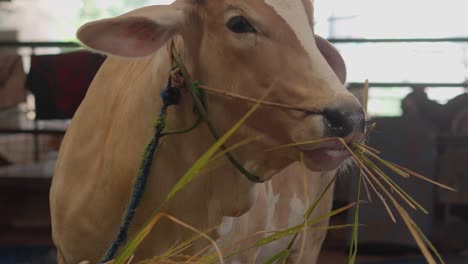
(280, 256)
(204, 159)
(417, 175)
(416, 236)
(132, 246)
(239, 144)
(353, 248)
(403, 194)
(384, 162)
(179, 247)
(207, 237)
(313, 142)
(369, 148)
(291, 231)
(280, 235)
(369, 197)
(370, 129)
(367, 175)
(428, 242)
(311, 209)
(404, 215)
(298, 228)
(314, 205)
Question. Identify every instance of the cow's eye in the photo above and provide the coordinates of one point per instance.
(239, 24)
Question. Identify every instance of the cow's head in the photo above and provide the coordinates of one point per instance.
(246, 47)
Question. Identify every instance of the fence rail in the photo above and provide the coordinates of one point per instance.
(40, 44)
(57, 44)
(397, 40)
(71, 44)
(408, 84)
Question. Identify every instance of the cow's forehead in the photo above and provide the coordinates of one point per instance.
(296, 15)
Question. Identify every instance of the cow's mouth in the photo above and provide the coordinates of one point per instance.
(328, 155)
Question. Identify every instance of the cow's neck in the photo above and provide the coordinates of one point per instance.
(219, 191)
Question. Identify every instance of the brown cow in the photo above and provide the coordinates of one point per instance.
(242, 46)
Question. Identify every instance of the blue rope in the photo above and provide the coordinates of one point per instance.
(170, 96)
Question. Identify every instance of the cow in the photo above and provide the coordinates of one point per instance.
(244, 47)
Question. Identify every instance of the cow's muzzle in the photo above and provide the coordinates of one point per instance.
(348, 123)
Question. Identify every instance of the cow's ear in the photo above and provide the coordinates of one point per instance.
(333, 57)
(138, 33)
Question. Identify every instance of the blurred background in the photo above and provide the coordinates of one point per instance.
(414, 53)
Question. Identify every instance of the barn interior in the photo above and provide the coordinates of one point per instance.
(414, 54)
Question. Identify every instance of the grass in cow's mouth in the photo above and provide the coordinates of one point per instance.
(371, 172)
(371, 176)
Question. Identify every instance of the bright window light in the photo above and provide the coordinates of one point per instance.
(399, 62)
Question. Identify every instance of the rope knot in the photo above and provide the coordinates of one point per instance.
(177, 78)
(171, 95)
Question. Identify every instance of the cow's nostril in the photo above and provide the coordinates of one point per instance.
(336, 123)
(341, 124)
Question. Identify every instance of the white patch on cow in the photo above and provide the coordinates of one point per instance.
(272, 200)
(294, 13)
(226, 226)
(297, 211)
